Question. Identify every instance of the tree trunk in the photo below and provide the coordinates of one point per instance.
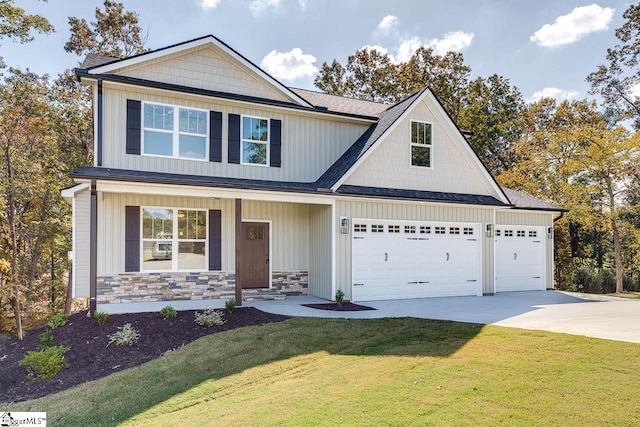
(35, 255)
(617, 246)
(14, 245)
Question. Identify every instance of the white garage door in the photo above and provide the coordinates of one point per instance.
(520, 258)
(395, 260)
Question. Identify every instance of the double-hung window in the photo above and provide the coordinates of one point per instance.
(255, 140)
(165, 230)
(175, 131)
(421, 144)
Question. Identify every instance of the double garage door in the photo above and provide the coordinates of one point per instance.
(520, 258)
(396, 260)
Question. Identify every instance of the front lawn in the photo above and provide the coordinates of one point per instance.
(366, 372)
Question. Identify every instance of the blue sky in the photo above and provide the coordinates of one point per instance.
(543, 47)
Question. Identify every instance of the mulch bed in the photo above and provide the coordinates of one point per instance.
(345, 306)
(89, 356)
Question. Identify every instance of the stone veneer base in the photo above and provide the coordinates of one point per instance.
(154, 287)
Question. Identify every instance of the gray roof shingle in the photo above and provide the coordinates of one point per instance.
(341, 104)
(95, 60)
(525, 201)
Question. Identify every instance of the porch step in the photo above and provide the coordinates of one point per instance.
(262, 295)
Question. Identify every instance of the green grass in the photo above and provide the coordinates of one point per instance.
(366, 372)
(630, 295)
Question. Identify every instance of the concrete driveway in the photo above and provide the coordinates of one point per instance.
(572, 313)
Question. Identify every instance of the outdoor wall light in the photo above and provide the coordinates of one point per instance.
(344, 225)
(489, 230)
(550, 232)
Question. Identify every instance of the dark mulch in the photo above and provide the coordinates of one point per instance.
(345, 306)
(89, 356)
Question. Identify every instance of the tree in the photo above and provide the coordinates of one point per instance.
(16, 24)
(115, 32)
(618, 82)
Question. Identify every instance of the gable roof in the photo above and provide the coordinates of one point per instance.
(109, 67)
(342, 104)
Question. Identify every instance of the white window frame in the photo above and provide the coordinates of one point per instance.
(175, 240)
(175, 150)
(253, 141)
(429, 146)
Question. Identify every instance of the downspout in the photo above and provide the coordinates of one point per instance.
(93, 247)
(99, 126)
(238, 224)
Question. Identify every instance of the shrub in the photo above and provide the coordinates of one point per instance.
(593, 280)
(168, 311)
(45, 363)
(101, 317)
(209, 317)
(58, 320)
(126, 335)
(339, 296)
(46, 339)
(230, 304)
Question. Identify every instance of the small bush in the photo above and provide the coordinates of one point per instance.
(230, 304)
(101, 317)
(168, 311)
(209, 317)
(126, 335)
(339, 296)
(58, 320)
(46, 339)
(45, 363)
(593, 280)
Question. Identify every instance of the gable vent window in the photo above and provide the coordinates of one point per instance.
(421, 144)
(375, 228)
(171, 131)
(394, 229)
(255, 140)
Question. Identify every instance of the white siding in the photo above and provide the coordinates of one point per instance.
(454, 167)
(515, 217)
(413, 212)
(205, 67)
(111, 226)
(320, 256)
(310, 142)
(81, 216)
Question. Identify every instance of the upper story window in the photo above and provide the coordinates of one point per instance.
(255, 140)
(421, 144)
(174, 131)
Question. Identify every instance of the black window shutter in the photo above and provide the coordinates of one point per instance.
(215, 240)
(132, 238)
(234, 138)
(275, 157)
(215, 136)
(134, 121)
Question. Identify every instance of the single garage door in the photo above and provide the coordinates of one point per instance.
(520, 258)
(396, 260)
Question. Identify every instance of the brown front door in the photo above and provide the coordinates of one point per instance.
(255, 255)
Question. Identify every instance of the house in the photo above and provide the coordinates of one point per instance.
(212, 179)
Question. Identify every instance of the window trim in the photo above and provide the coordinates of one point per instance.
(267, 142)
(412, 144)
(175, 147)
(175, 241)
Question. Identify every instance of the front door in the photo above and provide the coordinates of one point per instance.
(255, 255)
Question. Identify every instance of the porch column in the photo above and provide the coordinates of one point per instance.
(93, 248)
(238, 251)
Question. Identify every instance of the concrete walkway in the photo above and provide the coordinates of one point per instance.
(572, 313)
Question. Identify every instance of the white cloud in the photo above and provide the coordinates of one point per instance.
(289, 66)
(453, 41)
(303, 3)
(377, 47)
(554, 92)
(634, 90)
(407, 48)
(209, 4)
(574, 26)
(389, 22)
(258, 6)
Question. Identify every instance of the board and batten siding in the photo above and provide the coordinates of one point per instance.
(408, 212)
(532, 218)
(289, 232)
(81, 233)
(311, 143)
(205, 67)
(454, 168)
(320, 273)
